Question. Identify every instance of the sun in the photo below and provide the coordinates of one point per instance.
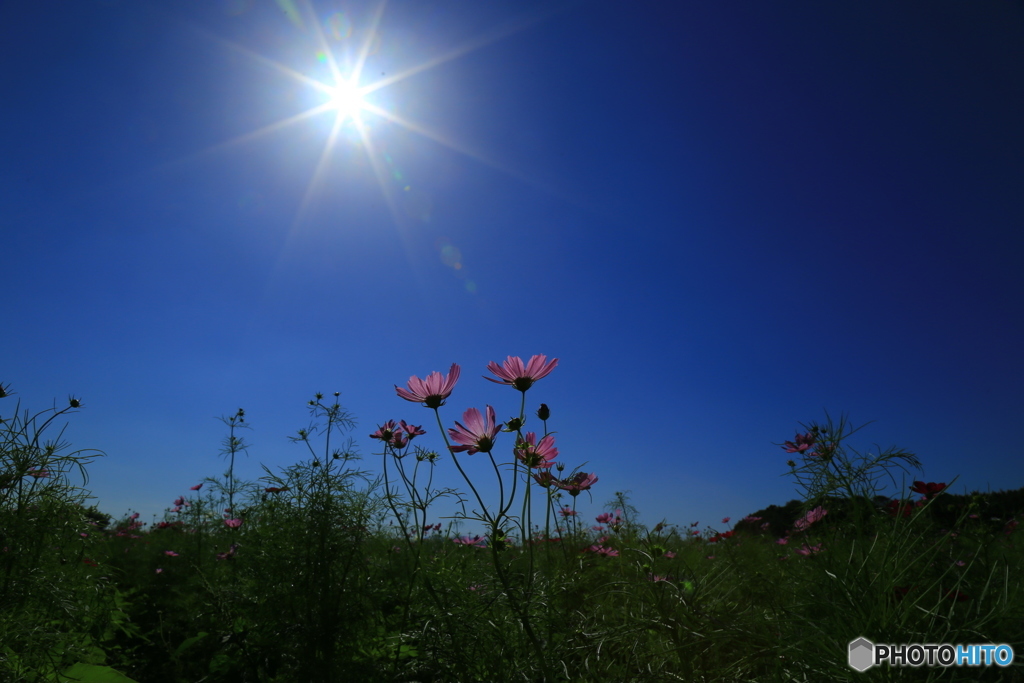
(345, 97)
(341, 89)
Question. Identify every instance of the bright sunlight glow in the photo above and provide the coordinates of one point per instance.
(344, 95)
(346, 98)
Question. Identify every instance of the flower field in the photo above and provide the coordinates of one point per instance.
(336, 569)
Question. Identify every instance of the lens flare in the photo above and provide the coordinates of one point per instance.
(338, 26)
(451, 256)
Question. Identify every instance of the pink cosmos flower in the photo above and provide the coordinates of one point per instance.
(801, 444)
(576, 483)
(809, 549)
(196, 487)
(609, 518)
(38, 473)
(412, 430)
(810, 518)
(477, 435)
(230, 553)
(159, 570)
(432, 391)
(513, 373)
(669, 554)
(170, 553)
(602, 550)
(134, 515)
(897, 508)
(929, 490)
(386, 431)
(476, 541)
(782, 541)
(545, 478)
(534, 454)
(179, 501)
(725, 520)
(567, 512)
(232, 523)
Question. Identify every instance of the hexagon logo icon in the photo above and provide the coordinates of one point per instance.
(862, 654)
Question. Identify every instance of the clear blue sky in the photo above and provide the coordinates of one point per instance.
(723, 217)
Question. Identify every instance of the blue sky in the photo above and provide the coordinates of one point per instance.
(723, 218)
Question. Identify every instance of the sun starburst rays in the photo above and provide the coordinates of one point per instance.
(347, 97)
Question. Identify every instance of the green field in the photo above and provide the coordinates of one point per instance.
(324, 572)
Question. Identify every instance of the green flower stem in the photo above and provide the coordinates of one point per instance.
(483, 508)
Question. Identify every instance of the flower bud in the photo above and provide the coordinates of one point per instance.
(514, 424)
(544, 412)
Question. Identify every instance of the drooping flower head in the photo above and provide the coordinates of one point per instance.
(514, 373)
(477, 435)
(578, 482)
(537, 455)
(431, 391)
